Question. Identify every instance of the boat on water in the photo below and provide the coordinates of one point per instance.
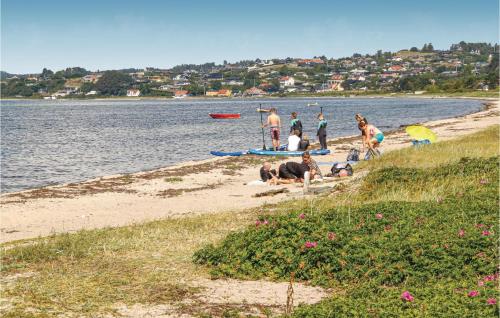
(225, 116)
(313, 104)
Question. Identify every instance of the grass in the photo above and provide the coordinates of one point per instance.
(89, 272)
(173, 179)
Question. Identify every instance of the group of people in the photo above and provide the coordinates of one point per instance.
(296, 141)
(291, 171)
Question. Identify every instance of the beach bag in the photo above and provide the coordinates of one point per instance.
(353, 155)
(339, 166)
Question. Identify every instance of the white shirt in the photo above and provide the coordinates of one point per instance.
(293, 143)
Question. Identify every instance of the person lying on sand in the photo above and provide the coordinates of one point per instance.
(291, 171)
(267, 174)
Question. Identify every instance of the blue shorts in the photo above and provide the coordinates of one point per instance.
(379, 137)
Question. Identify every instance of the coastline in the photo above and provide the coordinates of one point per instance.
(207, 186)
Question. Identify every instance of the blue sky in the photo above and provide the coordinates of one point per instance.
(111, 34)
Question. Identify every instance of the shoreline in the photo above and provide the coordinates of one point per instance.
(206, 186)
(340, 96)
(332, 141)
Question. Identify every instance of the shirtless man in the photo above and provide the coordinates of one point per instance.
(274, 123)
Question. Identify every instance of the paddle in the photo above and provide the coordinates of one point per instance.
(262, 126)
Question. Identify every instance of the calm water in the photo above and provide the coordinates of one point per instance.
(50, 142)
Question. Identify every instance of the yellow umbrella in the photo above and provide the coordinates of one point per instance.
(421, 133)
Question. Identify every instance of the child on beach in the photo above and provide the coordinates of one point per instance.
(274, 123)
(321, 133)
(295, 124)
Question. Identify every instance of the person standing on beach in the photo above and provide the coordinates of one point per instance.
(295, 124)
(321, 133)
(274, 123)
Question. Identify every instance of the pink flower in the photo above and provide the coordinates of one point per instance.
(486, 233)
(489, 278)
(379, 216)
(310, 244)
(266, 222)
(406, 296)
(332, 236)
(480, 283)
(473, 293)
(483, 181)
(461, 233)
(491, 301)
(257, 223)
(302, 216)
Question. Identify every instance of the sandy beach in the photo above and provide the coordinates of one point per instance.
(214, 185)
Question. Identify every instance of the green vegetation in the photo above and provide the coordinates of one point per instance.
(114, 83)
(173, 179)
(439, 247)
(372, 244)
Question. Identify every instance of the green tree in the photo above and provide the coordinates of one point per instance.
(87, 87)
(414, 49)
(46, 74)
(216, 85)
(114, 83)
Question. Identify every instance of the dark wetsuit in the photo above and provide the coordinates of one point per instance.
(322, 133)
(303, 145)
(295, 124)
(292, 170)
(267, 175)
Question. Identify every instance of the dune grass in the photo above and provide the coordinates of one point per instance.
(91, 271)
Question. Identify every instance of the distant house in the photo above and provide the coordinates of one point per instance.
(395, 68)
(91, 93)
(133, 92)
(212, 93)
(254, 91)
(310, 62)
(91, 78)
(224, 92)
(233, 82)
(181, 94)
(287, 81)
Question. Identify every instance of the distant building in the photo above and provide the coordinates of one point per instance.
(212, 93)
(133, 92)
(287, 81)
(91, 78)
(254, 91)
(310, 62)
(91, 93)
(181, 94)
(224, 92)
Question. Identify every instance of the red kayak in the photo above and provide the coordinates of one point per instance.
(225, 116)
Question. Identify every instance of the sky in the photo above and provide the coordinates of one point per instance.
(112, 34)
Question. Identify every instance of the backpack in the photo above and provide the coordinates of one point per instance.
(353, 155)
(339, 166)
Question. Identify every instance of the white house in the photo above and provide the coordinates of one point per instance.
(287, 81)
(133, 92)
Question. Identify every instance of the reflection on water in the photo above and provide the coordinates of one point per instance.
(47, 142)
